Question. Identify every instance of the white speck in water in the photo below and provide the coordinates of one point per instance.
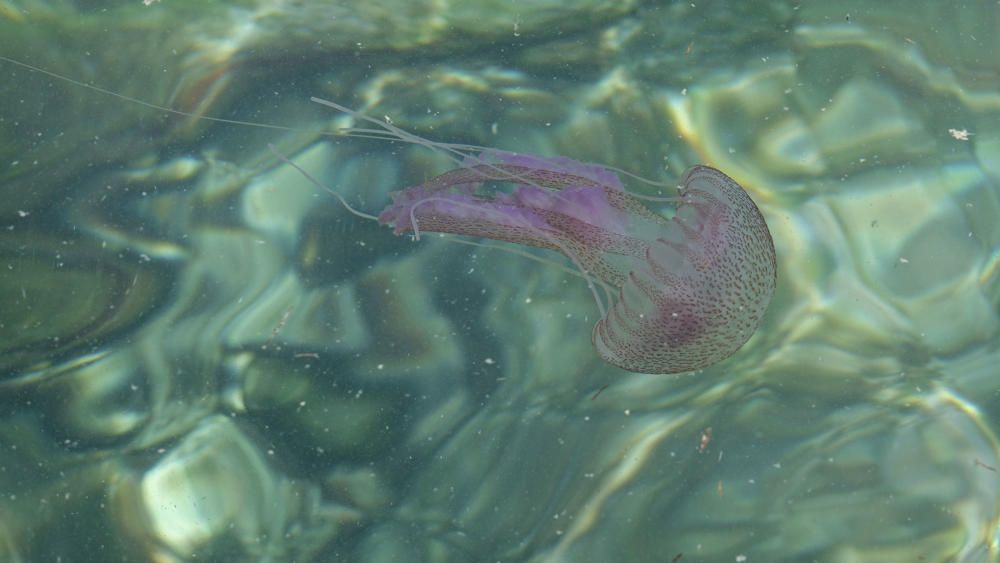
(959, 134)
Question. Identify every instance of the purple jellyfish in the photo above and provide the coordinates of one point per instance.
(681, 293)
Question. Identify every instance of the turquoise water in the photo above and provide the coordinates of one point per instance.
(204, 357)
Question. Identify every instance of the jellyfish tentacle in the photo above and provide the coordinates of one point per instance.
(350, 209)
(540, 259)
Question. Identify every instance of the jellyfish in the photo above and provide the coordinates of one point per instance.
(679, 293)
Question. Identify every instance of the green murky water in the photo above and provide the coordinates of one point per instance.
(203, 357)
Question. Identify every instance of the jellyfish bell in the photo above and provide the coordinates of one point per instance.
(701, 290)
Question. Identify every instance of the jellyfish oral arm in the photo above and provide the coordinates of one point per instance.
(526, 215)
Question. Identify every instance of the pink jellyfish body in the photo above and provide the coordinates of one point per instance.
(684, 292)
